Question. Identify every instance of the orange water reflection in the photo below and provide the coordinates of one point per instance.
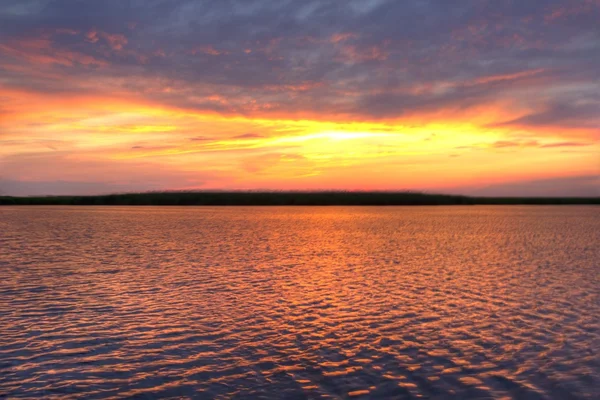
(304, 302)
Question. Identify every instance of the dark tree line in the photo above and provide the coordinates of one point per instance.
(255, 198)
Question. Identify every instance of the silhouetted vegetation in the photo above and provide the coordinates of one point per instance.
(274, 198)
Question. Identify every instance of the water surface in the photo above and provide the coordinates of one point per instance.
(332, 302)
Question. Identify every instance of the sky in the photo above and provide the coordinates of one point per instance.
(479, 97)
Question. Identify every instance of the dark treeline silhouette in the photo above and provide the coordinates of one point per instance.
(275, 198)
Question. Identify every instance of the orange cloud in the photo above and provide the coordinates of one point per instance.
(207, 49)
(510, 77)
(342, 37)
(116, 41)
(574, 8)
(40, 51)
(361, 54)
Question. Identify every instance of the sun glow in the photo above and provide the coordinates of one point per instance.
(307, 153)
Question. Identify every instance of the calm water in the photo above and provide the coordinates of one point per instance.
(247, 302)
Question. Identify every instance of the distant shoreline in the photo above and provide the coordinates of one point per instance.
(298, 198)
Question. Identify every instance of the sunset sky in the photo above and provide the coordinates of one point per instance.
(476, 97)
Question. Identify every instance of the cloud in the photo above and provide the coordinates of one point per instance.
(249, 136)
(563, 115)
(524, 143)
(575, 186)
(363, 61)
(60, 187)
(201, 139)
(71, 173)
(565, 144)
(500, 144)
(280, 162)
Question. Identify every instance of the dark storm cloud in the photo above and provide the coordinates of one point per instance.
(365, 58)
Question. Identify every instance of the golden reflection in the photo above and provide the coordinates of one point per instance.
(350, 301)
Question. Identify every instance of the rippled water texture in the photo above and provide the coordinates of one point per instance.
(270, 302)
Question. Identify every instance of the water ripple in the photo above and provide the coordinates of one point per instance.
(338, 302)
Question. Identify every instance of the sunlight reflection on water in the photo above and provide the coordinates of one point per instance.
(294, 302)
